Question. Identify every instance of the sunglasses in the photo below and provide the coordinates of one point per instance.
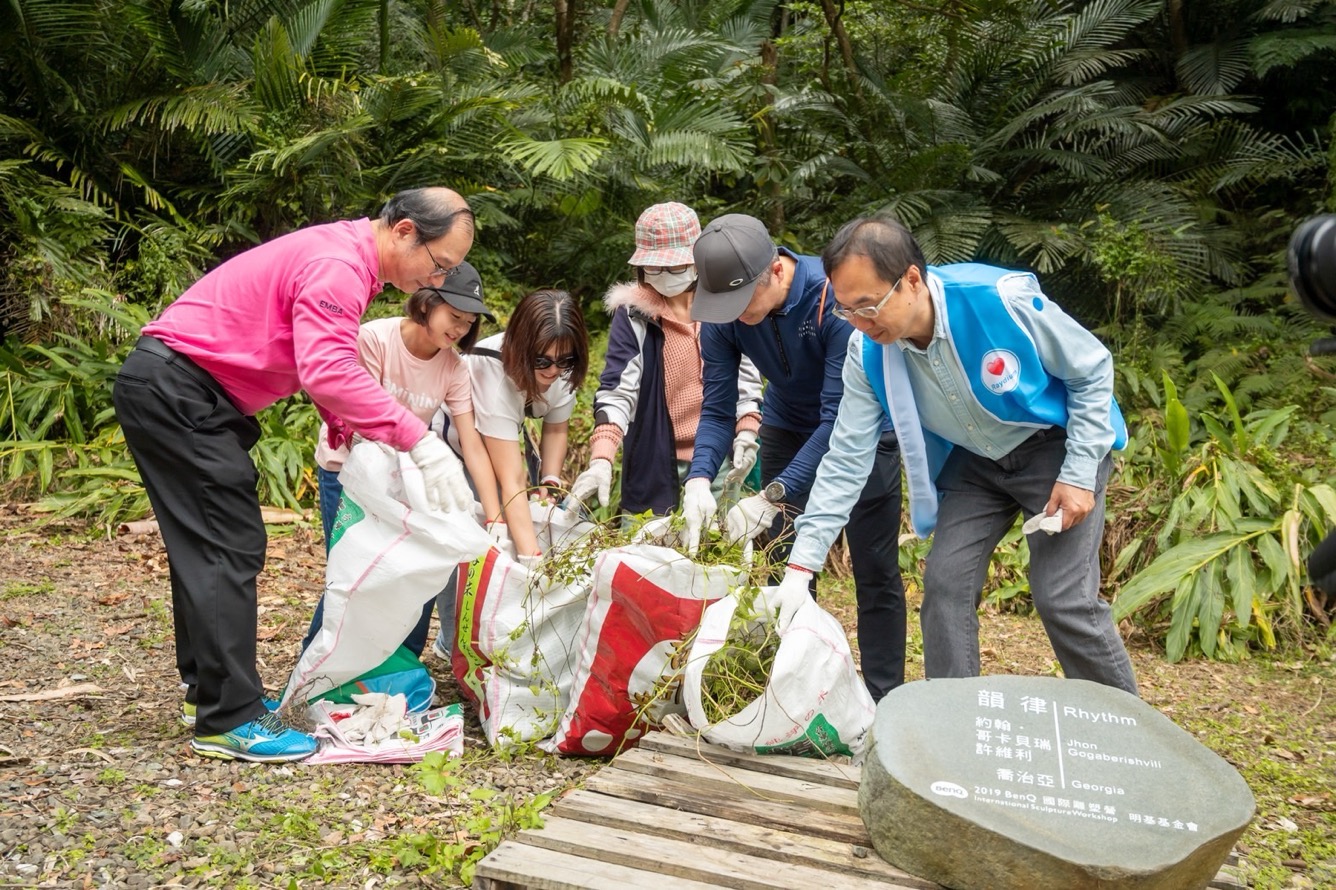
(565, 363)
(672, 270)
(865, 311)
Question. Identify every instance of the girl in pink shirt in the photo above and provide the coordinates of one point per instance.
(416, 359)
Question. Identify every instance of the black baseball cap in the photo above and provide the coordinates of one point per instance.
(462, 289)
(731, 253)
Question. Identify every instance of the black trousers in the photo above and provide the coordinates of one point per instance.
(873, 532)
(192, 446)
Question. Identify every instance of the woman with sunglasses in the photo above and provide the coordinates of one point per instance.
(650, 393)
(416, 358)
(533, 369)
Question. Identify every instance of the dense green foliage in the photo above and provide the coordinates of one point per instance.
(1148, 159)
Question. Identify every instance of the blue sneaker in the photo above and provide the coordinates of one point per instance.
(265, 740)
(188, 709)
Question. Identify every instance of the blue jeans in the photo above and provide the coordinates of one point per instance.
(331, 492)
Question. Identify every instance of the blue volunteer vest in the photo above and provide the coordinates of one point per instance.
(1001, 363)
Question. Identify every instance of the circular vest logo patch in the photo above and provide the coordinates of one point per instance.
(1000, 371)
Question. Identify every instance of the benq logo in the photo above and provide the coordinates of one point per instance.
(949, 789)
(332, 307)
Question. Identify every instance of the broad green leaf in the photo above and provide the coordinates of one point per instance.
(1180, 625)
(1242, 581)
(1210, 606)
(1181, 561)
(1240, 434)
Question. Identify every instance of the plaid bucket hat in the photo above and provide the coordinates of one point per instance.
(664, 235)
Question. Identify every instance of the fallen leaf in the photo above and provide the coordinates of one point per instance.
(113, 599)
(115, 630)
(1310, 801)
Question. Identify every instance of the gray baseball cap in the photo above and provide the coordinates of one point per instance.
(462, 289)
(731, 253)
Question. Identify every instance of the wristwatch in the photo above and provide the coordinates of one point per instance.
(775, 492)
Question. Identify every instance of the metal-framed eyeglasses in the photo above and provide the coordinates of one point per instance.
(439, 271)
(671, 270)
(866, 311)
(564, 362)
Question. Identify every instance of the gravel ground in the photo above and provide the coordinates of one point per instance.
(99, 789)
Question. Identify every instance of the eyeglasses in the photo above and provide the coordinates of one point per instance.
(672, 270)
(866, 311)
(440, 270)
(565, 363)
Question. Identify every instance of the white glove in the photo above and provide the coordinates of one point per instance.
(596, 479)
(698, 509)
(793, 591)
(499, 531)
(442, 474)
(744, 457)
(749, 517)
(655, 531)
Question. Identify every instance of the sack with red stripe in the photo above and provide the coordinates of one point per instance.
(514, 653)
(646, 600)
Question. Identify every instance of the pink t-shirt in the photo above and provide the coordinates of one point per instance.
(283, 317)
(420, 385)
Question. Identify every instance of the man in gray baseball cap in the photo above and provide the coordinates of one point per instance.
(774, 307)
(732, 254)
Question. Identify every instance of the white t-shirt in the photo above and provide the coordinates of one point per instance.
(498, 406)
(420, 385)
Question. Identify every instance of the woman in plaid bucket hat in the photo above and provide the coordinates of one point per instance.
(650, 392)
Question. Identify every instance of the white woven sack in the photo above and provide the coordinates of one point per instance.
(646, 601)
(815, 703)
(516, 646)
(391, 555)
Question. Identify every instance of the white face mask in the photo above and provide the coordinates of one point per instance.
(671, 284)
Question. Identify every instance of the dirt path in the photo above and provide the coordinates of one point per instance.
(100, 790)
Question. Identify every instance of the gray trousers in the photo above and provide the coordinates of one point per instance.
(980, 500)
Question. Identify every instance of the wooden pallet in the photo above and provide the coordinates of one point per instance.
(675, 813)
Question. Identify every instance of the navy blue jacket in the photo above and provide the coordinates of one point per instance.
(799, 350)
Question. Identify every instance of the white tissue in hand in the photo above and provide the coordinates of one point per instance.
(1044, 523)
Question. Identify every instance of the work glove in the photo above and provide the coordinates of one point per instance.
(442, 474)
(499, 531)
(595, 480)
(793, 591)
(698, 509)
(748, 518)
(744, 457)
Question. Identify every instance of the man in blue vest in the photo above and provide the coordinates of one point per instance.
(1003, 405)
(774, 307)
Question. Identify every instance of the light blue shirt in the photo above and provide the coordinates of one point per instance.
(947, 408)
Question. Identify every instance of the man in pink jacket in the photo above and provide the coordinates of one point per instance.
(278, 318)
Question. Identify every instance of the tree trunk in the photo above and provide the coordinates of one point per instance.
(565, 13)
(384, 17)
(618, 12)
(833, 16)
(769, 146)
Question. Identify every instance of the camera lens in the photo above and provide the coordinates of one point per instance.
(1312, 262)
